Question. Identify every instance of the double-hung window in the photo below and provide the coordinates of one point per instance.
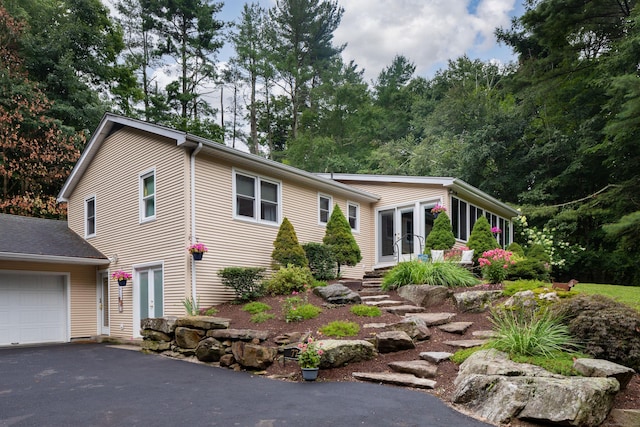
(256, 198)
(148, 196)
(90, 216)
(353, 213)
(324, 208)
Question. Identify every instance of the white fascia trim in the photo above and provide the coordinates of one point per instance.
(506, 209)
(250, 161)
(434, 180)
(104, 128)
(55, 259)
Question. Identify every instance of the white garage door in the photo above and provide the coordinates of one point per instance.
(32, 308)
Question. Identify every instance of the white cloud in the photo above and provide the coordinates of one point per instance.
(427, 32)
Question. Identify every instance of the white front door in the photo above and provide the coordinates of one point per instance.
(103, 303)
(406, 240)
(397, 240)
(149, 292)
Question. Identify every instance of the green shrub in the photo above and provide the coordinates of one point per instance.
(261, 317)
(211, 311)
(441, 237)
(256, 307)
(529, 268)
(366, 310)
(481, 238)
(538, 252)
(340, 329)
(297, 309)
(289, 279)
(516, 249)
(540, 334)
(286, 249)
(608, 329)
(339, 238)
(322, 262)
(428, 273)
(245, 281)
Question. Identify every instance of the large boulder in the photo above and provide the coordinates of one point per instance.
(425, 295)
(392, 341)
(209, 350)
(188, 338)
(150, 334)
(203, 322)
(253, 356)
(475, 301)
(238, 334)
(604, 368)
(337, 294)
(338, 353)
(415, 327)
(501, 392)
(165, 324)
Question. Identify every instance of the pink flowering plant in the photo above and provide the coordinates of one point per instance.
(496, 230)
(495, 264)
(438, 208)
(197, 247)
(120, 275)
(310, 353)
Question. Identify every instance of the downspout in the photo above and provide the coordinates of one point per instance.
(193, 218)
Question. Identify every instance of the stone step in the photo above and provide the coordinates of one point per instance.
(434, 319)
(484, 334)
(466, 343)
(419, 368)
(384, 303)
(404, 309)
(407, 380)
(371, 283)
(374, 297)
(371, 291)
(374, 326)
(435, 356)
(455, 327)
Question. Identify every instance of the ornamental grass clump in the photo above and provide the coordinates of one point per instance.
(521, 334)
(495, 264)
(426, 273)
(310, 354)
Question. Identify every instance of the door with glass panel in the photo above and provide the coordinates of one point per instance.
(406, 242)
(151, 293)
(103, 303)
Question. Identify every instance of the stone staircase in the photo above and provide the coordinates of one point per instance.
(421, 373)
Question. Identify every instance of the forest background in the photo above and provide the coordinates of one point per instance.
(555, 133)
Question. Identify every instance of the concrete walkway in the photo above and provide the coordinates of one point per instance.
(98, 385)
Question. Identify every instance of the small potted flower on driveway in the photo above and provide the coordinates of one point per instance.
(309, 358)
(197, 250)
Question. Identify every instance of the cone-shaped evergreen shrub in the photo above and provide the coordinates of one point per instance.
(441, 237)
(339, 238)
(481, 238)
(287, 250)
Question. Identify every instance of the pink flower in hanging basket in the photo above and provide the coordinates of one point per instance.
(438, 208)
(120, 275)
(197, 247)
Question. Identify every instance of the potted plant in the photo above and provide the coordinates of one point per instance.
(438, 208)
(197, 250)
(309, 358)
(121, 277)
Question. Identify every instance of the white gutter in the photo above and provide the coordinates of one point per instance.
(193, 218)
(57, 259)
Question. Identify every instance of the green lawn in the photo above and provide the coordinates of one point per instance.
(629, 295)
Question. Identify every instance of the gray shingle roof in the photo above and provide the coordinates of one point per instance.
(43, 237)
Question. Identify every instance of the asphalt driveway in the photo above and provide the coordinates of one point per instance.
(98, 385)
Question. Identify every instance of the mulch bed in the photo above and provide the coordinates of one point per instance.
(447, 371)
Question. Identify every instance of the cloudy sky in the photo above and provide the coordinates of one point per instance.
(427, 32)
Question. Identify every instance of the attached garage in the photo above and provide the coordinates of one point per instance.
(33, 308)
(48, 282)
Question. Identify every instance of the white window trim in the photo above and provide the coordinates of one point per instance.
(357, 205)
(95, 214)
(257, 199)
(141, 205)
(326, 196)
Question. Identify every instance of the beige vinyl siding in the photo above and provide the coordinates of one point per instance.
(114, 177)
(234, 242)
(82, 285)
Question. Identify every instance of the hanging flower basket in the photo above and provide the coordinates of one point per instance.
(197, 250)
(121, 277)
